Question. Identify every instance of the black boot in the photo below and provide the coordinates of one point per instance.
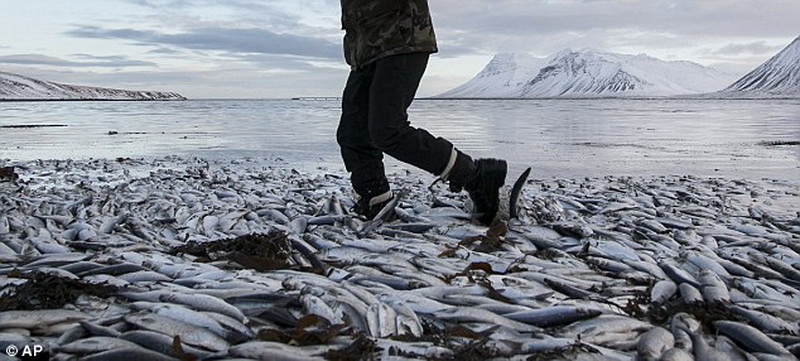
(482, 179)
(371, 198)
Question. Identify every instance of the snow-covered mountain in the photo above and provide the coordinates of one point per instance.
(777, 77)
(18, 87)
(503, 77)
(589, 74)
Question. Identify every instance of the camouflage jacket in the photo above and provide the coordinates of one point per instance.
(378, 28)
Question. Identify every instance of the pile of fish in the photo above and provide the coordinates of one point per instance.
(613, 268)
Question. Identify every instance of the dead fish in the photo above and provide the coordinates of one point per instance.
(750, 338)
(163, 344)
(38, 318)
(111, 222)
(5, 225)
(381, 320)
(713, 289)
(675, 223)
(183, 314)
(203, 302)
(144, 276)
(96, 329)
(676, 354)
(652, 344)
(765, 322)
(553, 316)
(188, 333)
(662, 291)
(129, 353)
(678, 275)
(95, 345)
(690, 294)
(652, 225)
(472, 314)
(263, 350)
(701, 349)
(314, 305)
(418, 227)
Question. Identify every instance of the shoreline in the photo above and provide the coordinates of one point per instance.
(332, 164)
(585, 255)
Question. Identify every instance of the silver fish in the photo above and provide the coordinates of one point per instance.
(750, 338)
(162, 344)
(662, 291)
(652, 344)
(38, 318)
(676, 354)
(203, 302)
(132, 353)
(316, 306)
(262, 350)
(95, 344)
(381, 320)
(553, 316)
(472, 314)
(690, 294)
(188, 333)
(701, 349)
(183, 314)
(714, 290)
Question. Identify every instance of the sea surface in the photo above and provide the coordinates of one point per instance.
(752, 139)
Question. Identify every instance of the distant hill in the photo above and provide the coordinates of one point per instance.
(589, 73)
(19, 87)
(777, 77)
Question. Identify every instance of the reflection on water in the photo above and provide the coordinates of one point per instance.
(557, 137)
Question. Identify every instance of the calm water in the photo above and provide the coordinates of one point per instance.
(561, 138)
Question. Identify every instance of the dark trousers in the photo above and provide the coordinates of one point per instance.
(375, 121)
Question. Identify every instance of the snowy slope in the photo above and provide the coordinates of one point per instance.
(589, 74)
(778, 76)
(18, 87)
(503, 77)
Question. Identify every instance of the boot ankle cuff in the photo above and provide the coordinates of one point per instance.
(463, 172)
(383, 197)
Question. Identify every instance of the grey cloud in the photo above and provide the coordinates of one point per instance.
(756, 47)
(164, 51)
(232, 13)
(252, 40)
(677, 17)
(182, 4)
(499, 23)
(92, 61)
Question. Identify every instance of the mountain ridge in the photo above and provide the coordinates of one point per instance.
(16, 87)
(588, 73)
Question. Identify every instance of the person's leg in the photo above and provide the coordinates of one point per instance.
(361, 157)
(393, 89)
(394, 85)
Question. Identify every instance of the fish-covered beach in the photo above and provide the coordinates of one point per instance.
(185, 258)
(662, 229)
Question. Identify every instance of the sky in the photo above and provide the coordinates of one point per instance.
(292, 48)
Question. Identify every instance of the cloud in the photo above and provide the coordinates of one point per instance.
(92, 61)
(544, 26)
(231, 40)
(756, 47)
